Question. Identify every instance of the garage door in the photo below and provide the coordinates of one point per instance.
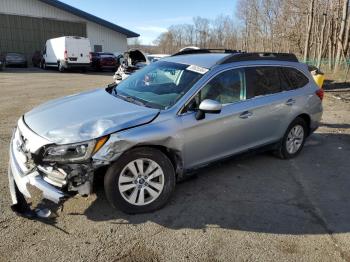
(27, 34)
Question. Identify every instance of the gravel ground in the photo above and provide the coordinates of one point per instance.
(251, 208)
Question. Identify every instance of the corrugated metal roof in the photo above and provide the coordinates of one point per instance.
(90, 17)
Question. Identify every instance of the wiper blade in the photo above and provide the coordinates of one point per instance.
(111, 88)
(135, 100)
(131, 99)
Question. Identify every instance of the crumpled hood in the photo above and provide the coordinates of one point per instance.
(86, 116)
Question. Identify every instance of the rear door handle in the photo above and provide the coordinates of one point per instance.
(290, 102)
(245, 115)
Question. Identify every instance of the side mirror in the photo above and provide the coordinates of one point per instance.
(208, 106)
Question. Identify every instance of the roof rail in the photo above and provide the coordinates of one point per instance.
(237, 57)
(206, 51)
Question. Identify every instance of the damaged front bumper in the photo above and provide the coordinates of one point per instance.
(52, 180)
(20, 177)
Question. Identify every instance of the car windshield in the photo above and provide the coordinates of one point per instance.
(159, 85)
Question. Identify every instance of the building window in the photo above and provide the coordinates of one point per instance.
(97, 48)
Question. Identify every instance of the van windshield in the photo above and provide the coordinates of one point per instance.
(158, 85)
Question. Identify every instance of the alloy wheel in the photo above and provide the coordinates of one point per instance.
(295, 139)
(141, 181)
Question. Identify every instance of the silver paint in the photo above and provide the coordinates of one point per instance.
(194, 142)
(210, 105)
(85, 116)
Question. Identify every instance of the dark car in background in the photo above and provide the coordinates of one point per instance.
(103, 60)
(37, 58)
(15, 59)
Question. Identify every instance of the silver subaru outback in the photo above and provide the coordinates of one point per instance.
(173, 116)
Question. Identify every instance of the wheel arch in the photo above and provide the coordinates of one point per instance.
(307, 120)
(173, 155)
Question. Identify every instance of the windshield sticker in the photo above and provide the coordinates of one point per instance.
(197, 69)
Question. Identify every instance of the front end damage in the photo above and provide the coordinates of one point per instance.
(134, 60)
(59, 177)
(55, 181)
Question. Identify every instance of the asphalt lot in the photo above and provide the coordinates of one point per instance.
(251, 208)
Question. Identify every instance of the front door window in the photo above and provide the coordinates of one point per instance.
(225, 88)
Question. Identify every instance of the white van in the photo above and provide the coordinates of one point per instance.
(67, 52)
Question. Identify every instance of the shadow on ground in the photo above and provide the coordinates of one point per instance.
(346, 126)
(331, 85)
(306, 195)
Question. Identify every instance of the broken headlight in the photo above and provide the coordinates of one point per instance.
(78, 152)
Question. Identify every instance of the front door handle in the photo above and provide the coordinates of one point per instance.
(245, 115)
(290, 102)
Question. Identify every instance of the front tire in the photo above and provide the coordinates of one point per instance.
(293, 139)
(60, 67)
(141, 180)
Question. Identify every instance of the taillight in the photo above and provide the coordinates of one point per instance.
(320, 93)
(90, 57)
(65, 55)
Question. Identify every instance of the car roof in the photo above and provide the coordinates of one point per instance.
(203, 60)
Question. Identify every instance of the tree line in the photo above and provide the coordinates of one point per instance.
(317, 31)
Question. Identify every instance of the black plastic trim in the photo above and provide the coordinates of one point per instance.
(238, 57)
(207, 51)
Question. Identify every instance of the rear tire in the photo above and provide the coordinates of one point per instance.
(149, 175)
(293, 140)
(43, 65)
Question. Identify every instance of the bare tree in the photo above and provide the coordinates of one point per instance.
(315, 30)
(341, 36)
(310, 19)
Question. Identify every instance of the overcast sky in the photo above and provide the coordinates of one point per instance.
(149, 18)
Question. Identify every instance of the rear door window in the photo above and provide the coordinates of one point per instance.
(285, 84)
(295, 77)
(263, 80)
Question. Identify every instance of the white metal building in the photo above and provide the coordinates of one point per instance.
(25, 25)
